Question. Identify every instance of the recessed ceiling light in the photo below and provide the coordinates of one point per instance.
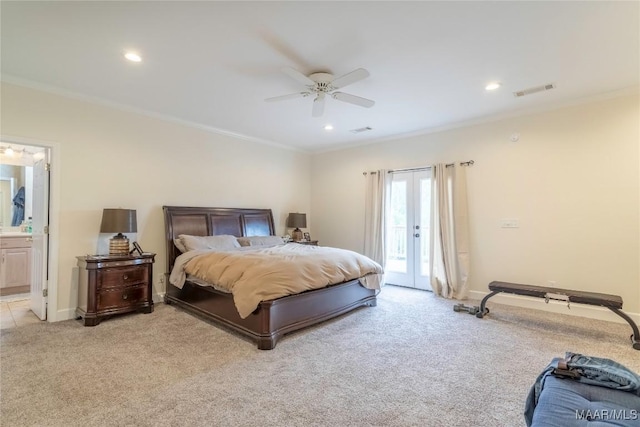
(328, 127)
(133, 57)
(492, 86)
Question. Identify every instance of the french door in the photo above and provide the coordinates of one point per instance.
(407, 230)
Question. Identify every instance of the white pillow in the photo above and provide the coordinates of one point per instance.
(260, 241)
(178, 242)
(223, 242)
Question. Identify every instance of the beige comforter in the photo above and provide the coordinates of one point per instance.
(257, 275)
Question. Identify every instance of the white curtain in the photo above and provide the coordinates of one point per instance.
(449, 243)
(374, 220)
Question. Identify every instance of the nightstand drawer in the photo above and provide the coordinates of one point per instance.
(119, 277)
(123, 297)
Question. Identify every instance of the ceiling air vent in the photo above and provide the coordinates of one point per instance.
(359, 130)
(531, 90)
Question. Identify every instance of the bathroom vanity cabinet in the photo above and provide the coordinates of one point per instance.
(15, 264)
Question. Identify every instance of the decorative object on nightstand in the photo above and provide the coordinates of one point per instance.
(119, 221)
(297, 221)
(111, 285)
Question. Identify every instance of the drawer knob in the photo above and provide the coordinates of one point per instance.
(125, 277)
(125, 296)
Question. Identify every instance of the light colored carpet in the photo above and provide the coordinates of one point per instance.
(410, 361)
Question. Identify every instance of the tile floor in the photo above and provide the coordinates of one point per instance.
(14, 313)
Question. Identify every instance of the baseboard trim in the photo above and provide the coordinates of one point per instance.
(579, 310)
(66, 314)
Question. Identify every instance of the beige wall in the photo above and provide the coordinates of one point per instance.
(572, 181)
(111, 158)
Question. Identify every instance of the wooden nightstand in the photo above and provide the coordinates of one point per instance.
(111, 285)
(310, 242)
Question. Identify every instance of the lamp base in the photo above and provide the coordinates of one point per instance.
(119, 245)
(296, 235)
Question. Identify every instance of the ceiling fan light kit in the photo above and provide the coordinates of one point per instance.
(322, 84)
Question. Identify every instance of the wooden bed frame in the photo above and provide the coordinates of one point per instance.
(272, 319)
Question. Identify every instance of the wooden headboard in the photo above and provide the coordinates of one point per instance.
(211, 222)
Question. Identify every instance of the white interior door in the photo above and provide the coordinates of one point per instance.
(407, 262)
(40, 235)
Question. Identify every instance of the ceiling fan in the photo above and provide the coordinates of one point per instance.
(322, 85)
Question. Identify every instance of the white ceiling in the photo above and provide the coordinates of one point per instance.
(212, 64)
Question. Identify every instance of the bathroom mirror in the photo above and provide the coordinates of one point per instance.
(16, 173)
(12, 179)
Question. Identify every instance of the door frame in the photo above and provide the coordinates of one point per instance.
(54, 219)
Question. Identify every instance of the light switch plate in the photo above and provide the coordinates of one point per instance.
(510, 223)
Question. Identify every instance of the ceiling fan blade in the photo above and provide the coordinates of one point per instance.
(297, 75)
(318, 106)
(349, 78)
(352, 99)
(290, 96)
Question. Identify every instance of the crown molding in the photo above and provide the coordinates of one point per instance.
(522, 112)
(10, 79)
(18, 81)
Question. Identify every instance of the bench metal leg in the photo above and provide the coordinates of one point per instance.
(483, 310)
(635, 338)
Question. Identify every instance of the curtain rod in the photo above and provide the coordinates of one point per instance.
(468, 163)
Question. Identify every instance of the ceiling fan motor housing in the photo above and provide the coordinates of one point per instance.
(323, 82)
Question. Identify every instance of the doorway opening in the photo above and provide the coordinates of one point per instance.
(24, 224)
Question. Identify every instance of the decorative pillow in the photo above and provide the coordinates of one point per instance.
(223, 242)
(260, 241)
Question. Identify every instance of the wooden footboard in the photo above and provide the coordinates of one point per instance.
(275, 318)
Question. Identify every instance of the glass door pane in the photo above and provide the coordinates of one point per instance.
(397, 229)
(399, 263)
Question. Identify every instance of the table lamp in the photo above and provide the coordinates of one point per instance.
(297, 220)
(119, 221)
